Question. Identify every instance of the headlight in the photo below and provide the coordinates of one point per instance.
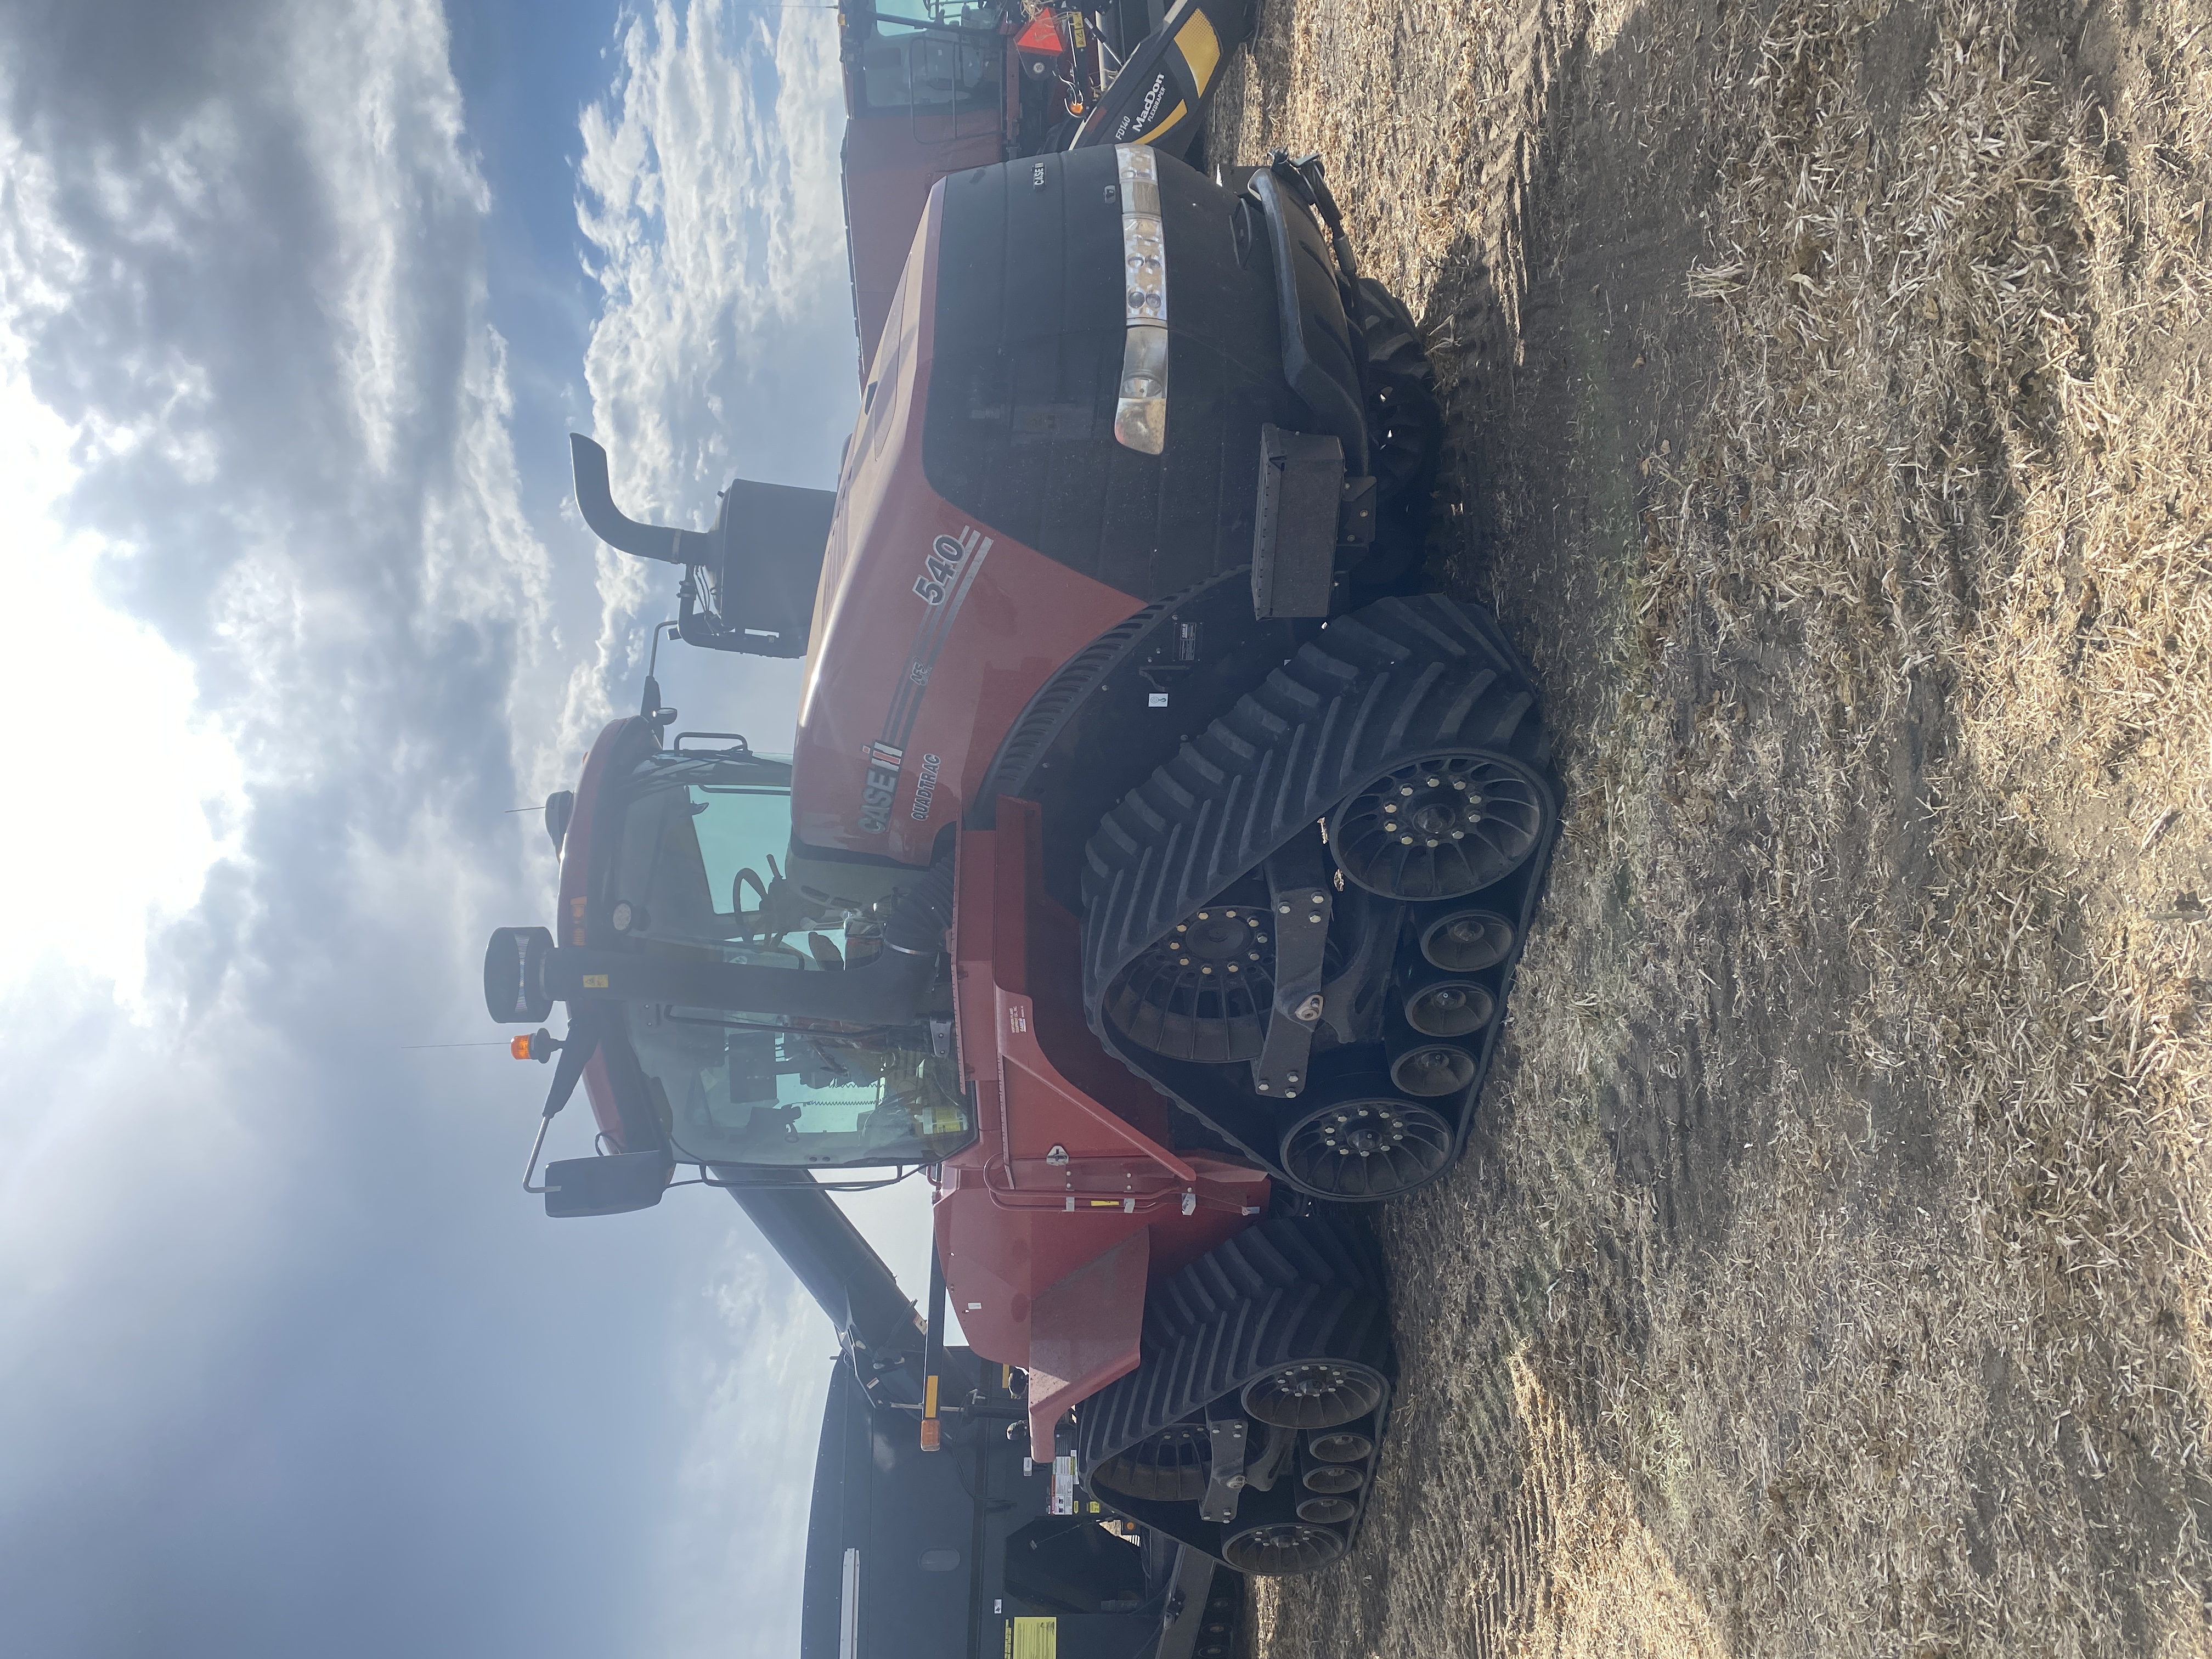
(1140, 416)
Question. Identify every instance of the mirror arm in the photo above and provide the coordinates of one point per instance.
(537, 1146)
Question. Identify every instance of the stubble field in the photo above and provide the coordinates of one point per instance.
(1828, 420)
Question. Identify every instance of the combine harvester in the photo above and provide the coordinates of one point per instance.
(1150, 871)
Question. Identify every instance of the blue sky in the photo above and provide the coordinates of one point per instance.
(297, 304)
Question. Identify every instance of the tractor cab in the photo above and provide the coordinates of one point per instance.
(717, 1017)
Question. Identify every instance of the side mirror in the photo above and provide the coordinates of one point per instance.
(605, 1186)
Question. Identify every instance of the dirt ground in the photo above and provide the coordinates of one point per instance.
(1827, 386)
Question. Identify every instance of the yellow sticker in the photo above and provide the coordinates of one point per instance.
(940, 1121)
(1034, 1638)
(1200, 47)
(595, 982)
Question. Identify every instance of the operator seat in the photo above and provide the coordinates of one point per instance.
(749, 583)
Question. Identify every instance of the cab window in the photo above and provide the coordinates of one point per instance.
(695, 872)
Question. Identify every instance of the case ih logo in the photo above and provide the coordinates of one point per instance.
(949, 572)
(878, 785)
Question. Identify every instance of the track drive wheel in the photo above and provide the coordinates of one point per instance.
(1281, 1548)
(1405, 427)
(1168, 1467)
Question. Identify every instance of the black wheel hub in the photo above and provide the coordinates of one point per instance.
(1372, 1146)
(1203, 990)
(1281, 1548)
(1445, 825)
(1315, 1394)
(1468, 941)
(1169, 1468)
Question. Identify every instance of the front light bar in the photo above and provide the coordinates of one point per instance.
(1140, 416)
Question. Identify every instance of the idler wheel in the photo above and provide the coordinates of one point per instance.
(1315, 1394)
(1282, 1547)
(1367, 1144)
(1447, 825)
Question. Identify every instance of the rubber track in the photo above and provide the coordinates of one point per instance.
(1286, 1289)
(1380, 687)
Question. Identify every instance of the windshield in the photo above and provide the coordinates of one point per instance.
(694, 872)
(908, 65)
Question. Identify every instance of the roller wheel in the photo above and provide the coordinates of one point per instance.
(1282, 1547)
(1347, 1447)
(1169, 1468)
(1433, 1070)
(1327, 1509)
(1449, 1008)
(1442, 826)
(1367, 1145)
(1315, 1394)
(1468, 941)
(1334, 1480)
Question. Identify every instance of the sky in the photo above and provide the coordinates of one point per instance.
(297, 304)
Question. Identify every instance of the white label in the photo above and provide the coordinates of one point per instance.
(1063, 1483)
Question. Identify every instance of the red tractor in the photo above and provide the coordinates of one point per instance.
(1150, 871)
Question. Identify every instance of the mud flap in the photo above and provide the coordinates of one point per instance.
(1294, 523)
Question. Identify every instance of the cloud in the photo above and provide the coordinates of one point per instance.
(293, 1366)
(303, 1371)
(749, 1379)
(709, 195)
